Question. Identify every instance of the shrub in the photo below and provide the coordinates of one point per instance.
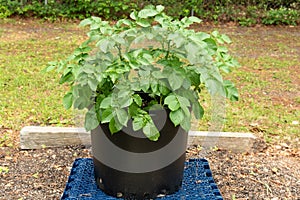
(281, 16)
(4, 12)
(244, 12)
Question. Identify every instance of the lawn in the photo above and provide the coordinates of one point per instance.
(268, 80)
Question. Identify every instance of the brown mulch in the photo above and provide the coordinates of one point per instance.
(269, 172)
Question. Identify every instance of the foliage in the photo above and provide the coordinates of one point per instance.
(71, 9)
(244, 12)
(243, 21)
(281, 16)
(4, 12)
(127, 68)
(249, 16)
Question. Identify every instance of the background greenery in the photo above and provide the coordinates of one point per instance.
(243, 12)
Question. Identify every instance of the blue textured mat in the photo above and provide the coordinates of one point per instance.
(198, 183)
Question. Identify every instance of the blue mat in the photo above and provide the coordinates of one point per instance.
(198, 183)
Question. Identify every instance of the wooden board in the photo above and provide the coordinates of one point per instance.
(36, 137)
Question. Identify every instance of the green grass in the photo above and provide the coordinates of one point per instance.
(29, 97)
(24, 88)
(266, 81)
(268, 101)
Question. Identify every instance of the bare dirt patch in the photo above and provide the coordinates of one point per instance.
(269, 173)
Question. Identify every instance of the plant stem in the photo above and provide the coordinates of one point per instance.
(168, 51)
(119, 51)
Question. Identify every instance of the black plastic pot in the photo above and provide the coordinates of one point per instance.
(130, 166)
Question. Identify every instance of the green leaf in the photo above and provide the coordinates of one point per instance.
(91, 120)
(122, 116)
(86, 22)
(125, 102)
(51, 66)
(202, 35)
(133, 15)
(215, 87)
(172, 102)
(61, 65)
(106, 103)
(114, 76)
(222, 49)
(154, 87)
(68, 100)
(185, 110)
(145, 13)
(169, 99)
(151, 131)
(144, 84)
(123, 93)
(144, 73)
(134, 110)
(226, 38)
(138, 123)
(137, 99)
(212, 79)
(118, 39)
(89, 69)
(211, 46)
(126, 22)
(93, 83)
(160, 8)
(114, 126)
(195, 19)
(194, 78)
(123, 98)
(176, 116)
(215, 33)
(66, 78)
(177, 38)
(105, 45)
(143, 23)
(224, 68)
(184, 102)
(175, 81)
(81, 51)
(192, 52)
(107, 115)
(231, 91)
(164, 90)
(186, 123)
(81, 102)
(197, 110)
(198, 41)
(158, 75)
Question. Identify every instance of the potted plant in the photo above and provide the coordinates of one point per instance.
(140, 80)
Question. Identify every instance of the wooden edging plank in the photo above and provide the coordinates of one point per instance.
(37, 137)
